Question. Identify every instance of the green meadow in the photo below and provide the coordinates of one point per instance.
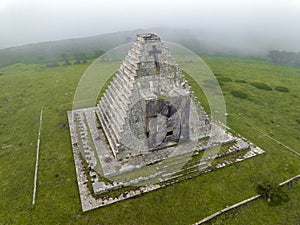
(261, 99)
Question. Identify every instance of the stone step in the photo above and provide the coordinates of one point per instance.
(118, 117)
(129, 65)
(110, 127)
(125, 92)
(137, 51)
(133, 55)
(128, 72)
(122, 97)
(123, 85)
(117, 106)
(105, 123)
(108, 123)
(138, 46)
(110, 137)
(114, 118)
(116, 96)
(125, 77)
(111, 112)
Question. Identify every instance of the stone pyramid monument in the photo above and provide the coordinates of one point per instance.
(151, 133)
(148, 105)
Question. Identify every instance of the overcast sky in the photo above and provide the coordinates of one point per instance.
(29, 21)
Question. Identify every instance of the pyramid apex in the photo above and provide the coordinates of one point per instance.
(147, 37)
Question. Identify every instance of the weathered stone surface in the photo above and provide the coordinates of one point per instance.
(148, 105)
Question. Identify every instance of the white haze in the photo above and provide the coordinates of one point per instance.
(233, 24)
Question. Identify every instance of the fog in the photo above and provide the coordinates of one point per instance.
(248, 25)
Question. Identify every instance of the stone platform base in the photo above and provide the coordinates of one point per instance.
(103, 180)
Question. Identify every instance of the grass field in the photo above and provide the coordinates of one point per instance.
(25, 89)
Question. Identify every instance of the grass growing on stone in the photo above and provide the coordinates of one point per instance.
(25, 89)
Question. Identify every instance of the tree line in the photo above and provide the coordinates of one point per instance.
(80, 57)
(284, 57)
(76, 58)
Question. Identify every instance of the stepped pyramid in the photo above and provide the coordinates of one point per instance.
(148, 104)
(147, 114)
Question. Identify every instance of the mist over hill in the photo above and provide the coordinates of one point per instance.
(200, 41)
(52, 51)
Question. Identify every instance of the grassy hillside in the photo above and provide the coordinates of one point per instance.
(25, 89)
(46, 52)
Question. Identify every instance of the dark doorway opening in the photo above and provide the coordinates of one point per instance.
(170, 133)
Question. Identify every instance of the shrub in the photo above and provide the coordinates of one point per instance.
(272, 193)
(241, 81)
(67, 63)
(239, 94)
(224, 79)
(51, 65)
(281, 89)
(261, 86)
